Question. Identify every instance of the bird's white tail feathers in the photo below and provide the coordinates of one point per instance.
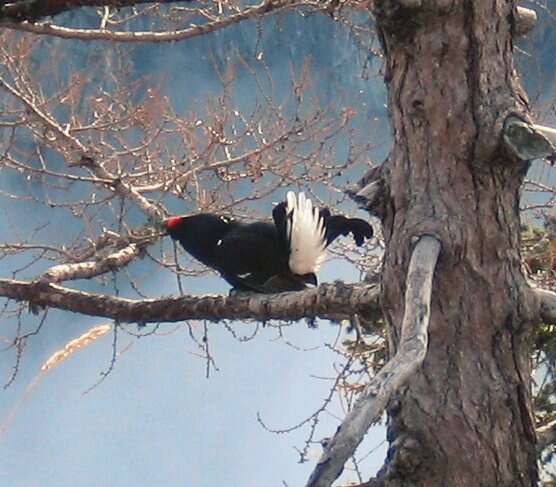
(306, 234)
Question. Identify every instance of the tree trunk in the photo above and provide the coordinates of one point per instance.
(465, 419)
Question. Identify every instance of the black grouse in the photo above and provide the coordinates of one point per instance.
(266, 257)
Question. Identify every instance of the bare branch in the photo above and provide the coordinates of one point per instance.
(123, 189)
(47, 120)
(546, 435)
(265, 7)
(331, 301)
(525, 20)
(35, 9)
(547, 301)
(412, 352)
(80, 155)
(529, 141)
(370, 191)
(86, 270)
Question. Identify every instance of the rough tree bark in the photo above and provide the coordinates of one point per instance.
(465, 419)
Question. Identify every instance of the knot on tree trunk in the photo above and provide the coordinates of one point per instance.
(405, 457)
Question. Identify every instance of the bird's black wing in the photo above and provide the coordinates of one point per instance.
(289, 282)
(250, 255)
(278, 283)
(246, 283)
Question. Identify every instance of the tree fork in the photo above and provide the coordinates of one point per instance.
(413, 348)
(465, 419)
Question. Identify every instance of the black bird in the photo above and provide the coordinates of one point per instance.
(266, 257)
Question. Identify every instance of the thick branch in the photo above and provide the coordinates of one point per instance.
(547, 301)
(32, 10)
(525, 20)
(265, 7)
(371, 190)
(529, 141)
(546, 435)
(332, 301)
(412, 351)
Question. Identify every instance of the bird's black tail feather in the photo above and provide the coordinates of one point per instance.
(340, 225)
(335, 225)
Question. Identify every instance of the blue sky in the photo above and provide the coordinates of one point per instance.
(156, 419)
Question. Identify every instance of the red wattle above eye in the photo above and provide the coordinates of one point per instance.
(171, 222)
